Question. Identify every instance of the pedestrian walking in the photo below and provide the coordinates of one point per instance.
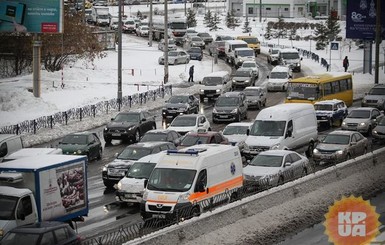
(345, 63)
(191, 73)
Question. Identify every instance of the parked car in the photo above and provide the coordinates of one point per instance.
(171, 45)
(203, 137)
(362, 119)
(378, 132)
(331, 112)
(217, 47)
(243, 77)
(142, 31)
(163, 135)
(195, 53)
(339, 146)
(83, 143)
(275, 167)
(42, 233)
(206, 37)
(117, 169)
(255, 97)
(195, 41)
(375, 97)
(230, 106)
(252, 66)
(175, 57)
(237, 133)
(129, 126)
(272, 56)
(189, 123)
(179, 105)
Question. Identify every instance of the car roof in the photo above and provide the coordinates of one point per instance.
(276, 152)
(243, 69)
(280, 69)
(379, 86)
(253, 88)
(190, 115)
(160, 131)
(247, 124)
(40, 227)
(363, 108)
(8, 136)
(241, 49)
(249, 61)
(81, 133)
(149, 144)
(329, 102)
(217, 74)
(233, 94)
(207, 133)
(343, 132)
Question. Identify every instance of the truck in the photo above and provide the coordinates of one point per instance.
(100, 16)
(177, 27)
(42, 188)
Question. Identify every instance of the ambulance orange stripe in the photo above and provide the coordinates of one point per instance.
(166, 202)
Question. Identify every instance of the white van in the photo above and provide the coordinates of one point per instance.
(284, 126)
(290, 57)
(214, 84)
(279, 78)
(243, 54)
(9, 143)
(32, 152)
(230, 46)
(184, 178)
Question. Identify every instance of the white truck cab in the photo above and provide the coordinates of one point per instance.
(243, 54)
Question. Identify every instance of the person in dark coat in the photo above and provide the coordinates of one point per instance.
(191, 73)
(345, 63)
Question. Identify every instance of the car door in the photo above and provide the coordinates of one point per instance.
(297, 164)
(375, 117)
(354, 145)
(360, 144)
(94, 145)
(288, 168)
(143, 126)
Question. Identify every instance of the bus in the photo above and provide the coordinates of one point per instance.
(328, 86)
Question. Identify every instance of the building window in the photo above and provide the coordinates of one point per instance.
(286, 9)
(251, 10)
(268, 9)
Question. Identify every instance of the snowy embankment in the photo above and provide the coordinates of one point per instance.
(271, 216)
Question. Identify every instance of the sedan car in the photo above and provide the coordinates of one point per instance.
(142, 31)
(179, 105)
(252, 66)
(378, 133)
(206, 37)
(42, 233)
(217, 48)
(83, 143)
(362, 119)
(163, 135)
(275, 167)
(117, 169)
(255, 97)
(243, 77)
(176, 57)
(171, 45)
(203, 137)
(189, 123)
(237, 133)
(195, 53)
(339, 146)
(195, 41)
(129, 126)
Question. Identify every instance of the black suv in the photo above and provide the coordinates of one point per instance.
(129, 126)
(180, 104)
(117, 169)
(230, 106)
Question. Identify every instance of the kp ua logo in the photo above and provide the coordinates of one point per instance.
(351, 221)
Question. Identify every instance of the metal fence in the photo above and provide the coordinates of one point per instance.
(78, 114)
(129, 232)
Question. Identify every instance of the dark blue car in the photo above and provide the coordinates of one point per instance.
(331, 112)
(195, 53)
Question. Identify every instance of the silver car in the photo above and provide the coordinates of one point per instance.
(176, 57)
(375, 97)
(362, 119)
(339, 146)
(252, 66)
(255, 97)
(236, 133)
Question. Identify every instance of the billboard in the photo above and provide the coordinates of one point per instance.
(33, 16)
(361, 19)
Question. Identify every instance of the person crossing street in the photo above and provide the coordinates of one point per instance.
(191, 73)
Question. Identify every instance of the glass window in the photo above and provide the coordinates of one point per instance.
(350, 86)
(61, 234)
(336, 87)
(47, 239)
(163, 147)
(295, 157)
(251, 10)
(327, 89)
(344, 85)
(3, 150)
(202, 179)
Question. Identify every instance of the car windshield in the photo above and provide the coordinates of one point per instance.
(377, 91)
(149, 137)
(251, 92)
(227, 101)
(230, 130)
(336, 139)
(323, 107)
(274, 51)
(359, 114)
(131, 153)
(245, 53)
(124, 117)
(191, 31)
(8, 205)
(290, 56)
(204, 34)
(171, 41)
(267, 161)
(168, 179)
(140, 170)
(268, 128)
(144, 28)
(225, 38)
(75, 139)
(251, 40)
(278, 75)
(242, 73)
(195, 50)
(184, 122)
(381, 122)
(190, 140)
(211, 81)
(178, 99)
(20, 238)
(303, 91)
(172, 53)
(197, 39)
(249, 64)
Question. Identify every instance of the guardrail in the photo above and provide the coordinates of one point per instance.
(78, 114)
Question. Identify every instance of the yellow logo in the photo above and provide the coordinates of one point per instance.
(351, 221)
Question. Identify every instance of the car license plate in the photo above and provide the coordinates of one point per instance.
(159, 216)
(223, 116)
(209, 95)
(129, 195)
(328, 157)
(116, 134)
(169, 116)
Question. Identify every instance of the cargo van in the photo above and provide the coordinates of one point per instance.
(32, 152)
(230, 46)
(290, 57)
(279, 78)
(9, 143)
(182, 179)
(284, 126)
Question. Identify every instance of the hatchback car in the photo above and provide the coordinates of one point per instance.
(42, 233)
(129, 126)
(243, 77)
(195, 53)
(256, 97)
(203, 137)
(189, 123)
(378, 133)
(362, 119)
(163, 135)
(171, 45)
(252, 66)
(375, 97)
(230, 106)
(175, 57)
(117, 169)
(331, 112)
(206, 37)
(275, 167)
(339, 146)
(83, 143)
(179, 105)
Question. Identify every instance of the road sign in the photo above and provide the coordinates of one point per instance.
(333, 46)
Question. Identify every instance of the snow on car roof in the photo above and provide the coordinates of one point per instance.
(329, 102)
(280, 69)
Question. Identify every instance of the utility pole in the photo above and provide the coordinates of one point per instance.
(378, 41)
(165, 79)
(150, 26)
(36, 49)
(120, 54)
(260, 11)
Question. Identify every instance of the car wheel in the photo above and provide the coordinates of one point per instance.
(187, 60)
(209, 129)
(99, 154)
(347, 157)
(239, 117)
(215, 121)
(258, 106)
(331, 123)
(309, 151)
(245, 117)
(108, 184)
(365, 151)
(369, 132)
(304, 172)
(153, 126)
(195, 212)
(201, 98)
(137, 136)
(233, 197)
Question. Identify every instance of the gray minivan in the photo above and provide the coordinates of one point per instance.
(230, 106)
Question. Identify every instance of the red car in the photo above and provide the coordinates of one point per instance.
(207, 137)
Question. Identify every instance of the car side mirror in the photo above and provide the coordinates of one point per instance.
(288, 134)
(353, 143)
(301, 58)
(229, 50)
(112, 119)
(290, 76)
(247, 132)
(145, 183)
(116, 155)
(236, 56)
(267, 76)
(287, 164)
(200, 82)
(144, 119)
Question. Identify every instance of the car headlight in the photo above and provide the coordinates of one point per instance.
(340, 152)
(240, 60)
(374, 131)
(215, 110)
(235, 110)
(364, 100)
(362, 124)
(202, 90)
(131, 128)
(218, 90)
(184, 198)
(104, 169)
(315, 151)
(106, 129)
(145, 195)
(247, 81)
(275, 147)
(119, 186)
(79, 152)
(343, 123)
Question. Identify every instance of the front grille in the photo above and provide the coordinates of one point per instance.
(352, 124)
(371, 101)
(210, 91)
(380, 133)
(116, 130)
(326, 151)
(159, 209)
(259, 148)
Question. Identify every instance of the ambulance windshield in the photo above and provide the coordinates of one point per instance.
(167, 179)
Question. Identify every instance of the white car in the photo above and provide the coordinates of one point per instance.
(253, 66)
(237, 132)
(275, 167)
(171, 45)
(175, 57)
(190, 123)
(142, 31)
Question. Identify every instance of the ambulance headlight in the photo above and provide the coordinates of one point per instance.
(184, 198)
